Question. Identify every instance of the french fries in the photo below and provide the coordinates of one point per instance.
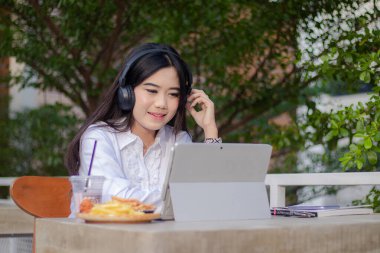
(119, 207)
(135, 204)
(114, 208)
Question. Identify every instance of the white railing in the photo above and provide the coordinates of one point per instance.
(6, 181)
(278, 182)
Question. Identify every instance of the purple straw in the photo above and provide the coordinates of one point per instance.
(92, 158)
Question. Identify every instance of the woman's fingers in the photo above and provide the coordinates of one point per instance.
(197, 92)
(199, 97)
(191, 109)
(202, 101)
(205, 117)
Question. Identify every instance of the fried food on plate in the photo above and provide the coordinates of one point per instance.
(86, 205)
(135, 204)
(119, 207)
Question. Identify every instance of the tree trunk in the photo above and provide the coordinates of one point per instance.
(4, 89)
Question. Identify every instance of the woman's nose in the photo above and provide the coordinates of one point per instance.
(161, 101)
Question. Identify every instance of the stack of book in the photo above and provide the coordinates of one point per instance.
(320, 211)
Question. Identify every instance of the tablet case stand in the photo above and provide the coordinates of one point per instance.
(192, 196)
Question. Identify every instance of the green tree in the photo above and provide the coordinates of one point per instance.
(243, 53)
(247, 55)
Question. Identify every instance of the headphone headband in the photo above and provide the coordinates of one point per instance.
(138, 56)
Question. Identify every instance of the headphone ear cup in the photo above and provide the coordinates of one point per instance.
(126, 98)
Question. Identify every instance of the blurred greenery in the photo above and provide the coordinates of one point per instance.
(373, 198)
(36, 141)
(258, 60)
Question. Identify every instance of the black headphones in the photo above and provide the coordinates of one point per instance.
(125, 93)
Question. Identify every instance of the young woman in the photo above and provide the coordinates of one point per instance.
(141, 117)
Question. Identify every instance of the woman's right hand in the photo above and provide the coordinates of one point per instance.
(205, 118)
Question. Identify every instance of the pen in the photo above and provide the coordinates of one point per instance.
(287, 212)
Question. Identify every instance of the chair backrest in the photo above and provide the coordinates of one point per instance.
(42, 197)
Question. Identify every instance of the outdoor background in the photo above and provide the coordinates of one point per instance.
(269, 66)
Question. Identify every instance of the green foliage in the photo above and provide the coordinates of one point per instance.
(360, 124)
(243, 53)
(37, 141)
(350, 52)
(373, 199)
(350, 55)
(350, 43)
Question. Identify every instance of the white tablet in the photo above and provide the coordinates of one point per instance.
(217, 182)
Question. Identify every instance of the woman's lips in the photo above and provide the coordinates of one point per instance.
(158, 116)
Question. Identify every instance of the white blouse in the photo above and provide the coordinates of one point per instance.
(119, 157)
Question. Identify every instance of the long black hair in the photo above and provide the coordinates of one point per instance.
(109, 112)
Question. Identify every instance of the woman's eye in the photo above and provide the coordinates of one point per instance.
(151, 91)
(174, 95)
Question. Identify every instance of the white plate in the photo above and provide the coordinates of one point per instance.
(118, 219)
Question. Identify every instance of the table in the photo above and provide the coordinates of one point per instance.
(16, 230)
(359, 233)
(14, 221)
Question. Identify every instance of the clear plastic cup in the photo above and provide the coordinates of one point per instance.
(86, 187)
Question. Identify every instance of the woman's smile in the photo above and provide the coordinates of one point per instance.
(157, 116)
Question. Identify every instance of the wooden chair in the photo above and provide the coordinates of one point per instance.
(42, 197)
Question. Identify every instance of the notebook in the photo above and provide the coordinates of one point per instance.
(321, 211)
(222, 181)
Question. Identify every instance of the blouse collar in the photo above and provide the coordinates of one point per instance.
(126, 138)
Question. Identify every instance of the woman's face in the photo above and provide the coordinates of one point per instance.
(157, 99)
